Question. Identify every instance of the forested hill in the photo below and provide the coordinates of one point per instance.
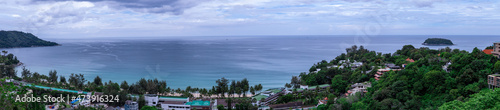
(10, 39)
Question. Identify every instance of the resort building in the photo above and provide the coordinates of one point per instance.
(269, 96)
(151, 99)
(359, 87)
(287, 106)
(175, 105)
(381, 72)
(131, 105)
(223, 103)
(199, 105)
(496, 49)
(494, 81)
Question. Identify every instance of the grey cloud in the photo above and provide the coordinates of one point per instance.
(424, 3)
(150, 6)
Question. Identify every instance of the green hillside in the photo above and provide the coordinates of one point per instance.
(10, 39)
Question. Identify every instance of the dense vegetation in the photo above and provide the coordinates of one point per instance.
(437, 41)
(10, 39)
(484, 100)
(423, 84)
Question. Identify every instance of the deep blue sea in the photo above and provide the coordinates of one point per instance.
(199, 61)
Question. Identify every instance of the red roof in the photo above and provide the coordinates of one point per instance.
(488, 51)
(410, 60)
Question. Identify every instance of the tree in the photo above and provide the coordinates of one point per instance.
(77, 80)
(141, 101)
(252, 90)
(497, 67)
(222, 86)
(245, 86)
(148, 108)
(62, 79)
(287, 85)
(25, 73)
(295, 82)
(124, 85)
(232, 88)
(53, 76)
(339, 84)
(98, 81)
(229, 102)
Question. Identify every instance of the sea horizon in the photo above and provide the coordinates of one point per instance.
(198, 61)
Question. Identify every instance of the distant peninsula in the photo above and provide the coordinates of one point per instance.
(437, 42)
(12, 39)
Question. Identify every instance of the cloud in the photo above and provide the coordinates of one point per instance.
(424, 3)
(150, 6)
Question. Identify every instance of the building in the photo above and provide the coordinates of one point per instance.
(151, 99)
(446, 67)
(287, 106)
(199, 105)
(224, 103)
(131, 105)
(496, 49)
(488, 51)
(359, 87)
(392, 66)
(272, 94)
(175, 105)
(494, 81)
(381, 72)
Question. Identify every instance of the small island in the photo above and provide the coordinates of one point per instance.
(12, 39)
(437, 42)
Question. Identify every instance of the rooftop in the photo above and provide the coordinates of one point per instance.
(260, 97)
(496, 75)
(198, 103)
(488, 51)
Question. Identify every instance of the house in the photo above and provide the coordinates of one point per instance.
(151, 99)
(304, 86)
(446, 67)
(359, 87)
(410, 60)
(175, 105)
(392, 66)
(488, 51)
(287, 106)
(131, 105)
(356, 64)
(494, 81)
(496, 49)
(323, 101)
(381, 72)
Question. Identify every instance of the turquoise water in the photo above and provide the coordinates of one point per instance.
(199, 61)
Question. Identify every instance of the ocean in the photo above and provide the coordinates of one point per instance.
(200, 61)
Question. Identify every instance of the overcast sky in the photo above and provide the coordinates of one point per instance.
(136, 18)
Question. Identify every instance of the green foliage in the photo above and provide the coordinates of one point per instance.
(497, 66)
(339, 85)
(148, 108)
(10, 39)
(486, 99)
(423, 84)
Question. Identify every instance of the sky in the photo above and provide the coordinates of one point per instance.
(163, 18)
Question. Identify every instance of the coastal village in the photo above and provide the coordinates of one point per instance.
(265, 100)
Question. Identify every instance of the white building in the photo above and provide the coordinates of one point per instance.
(304, 86)
(175, 105)
(151, 99)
